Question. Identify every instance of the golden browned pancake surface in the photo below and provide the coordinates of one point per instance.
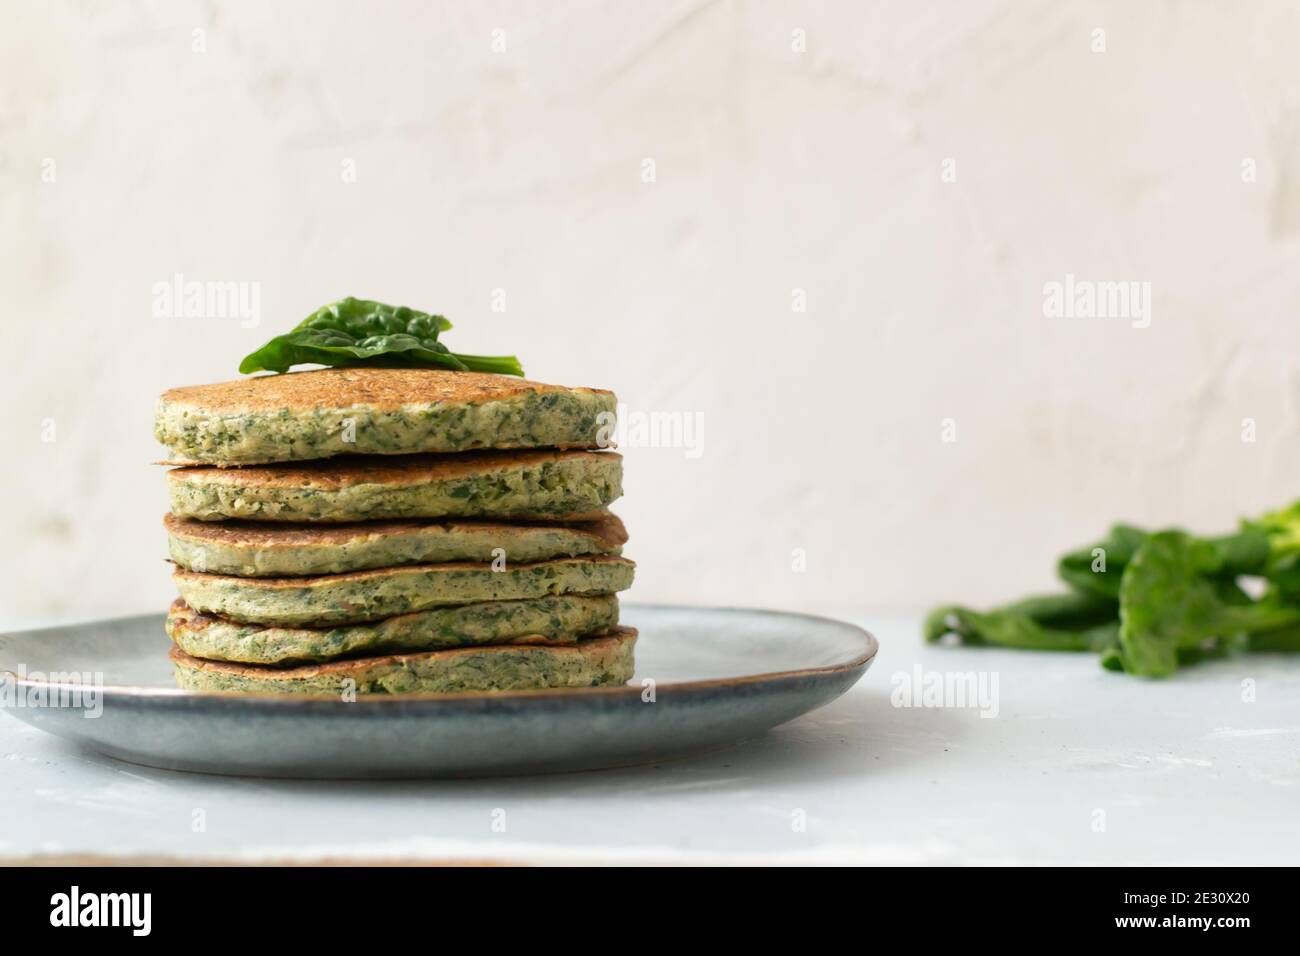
(379, 388)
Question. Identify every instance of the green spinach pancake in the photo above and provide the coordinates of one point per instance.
(267, 550)
(561, 485)
(561, 620)
(374, 411)
(602, 660)
(361, 596)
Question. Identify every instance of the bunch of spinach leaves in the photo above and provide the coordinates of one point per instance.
(356, 332)
(1150, 602)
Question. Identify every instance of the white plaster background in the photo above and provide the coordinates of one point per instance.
(776, 170)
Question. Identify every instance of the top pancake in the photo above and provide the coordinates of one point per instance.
(379, 388)
(374, 411)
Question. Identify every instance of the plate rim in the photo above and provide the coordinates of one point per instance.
(138, 694)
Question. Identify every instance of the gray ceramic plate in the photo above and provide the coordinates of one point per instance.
(719, 675)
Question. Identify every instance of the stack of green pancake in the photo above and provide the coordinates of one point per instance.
(391, 531)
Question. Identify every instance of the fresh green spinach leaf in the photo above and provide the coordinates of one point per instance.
(1051, 622)
(361, 332)
(1169, 603)
(1150, 603)
(1282, 528)
(1099, 568)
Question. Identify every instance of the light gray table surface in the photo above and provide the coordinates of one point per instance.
(1077, 766)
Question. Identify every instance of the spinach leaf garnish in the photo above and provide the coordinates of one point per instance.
(355, 332)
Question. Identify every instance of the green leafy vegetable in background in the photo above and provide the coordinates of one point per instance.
(1168, 603)
(1098, 568)
(354, 332)
(1282, 529)
(1057, 622)
(1149, 603)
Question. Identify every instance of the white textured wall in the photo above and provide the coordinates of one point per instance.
(776, 170)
